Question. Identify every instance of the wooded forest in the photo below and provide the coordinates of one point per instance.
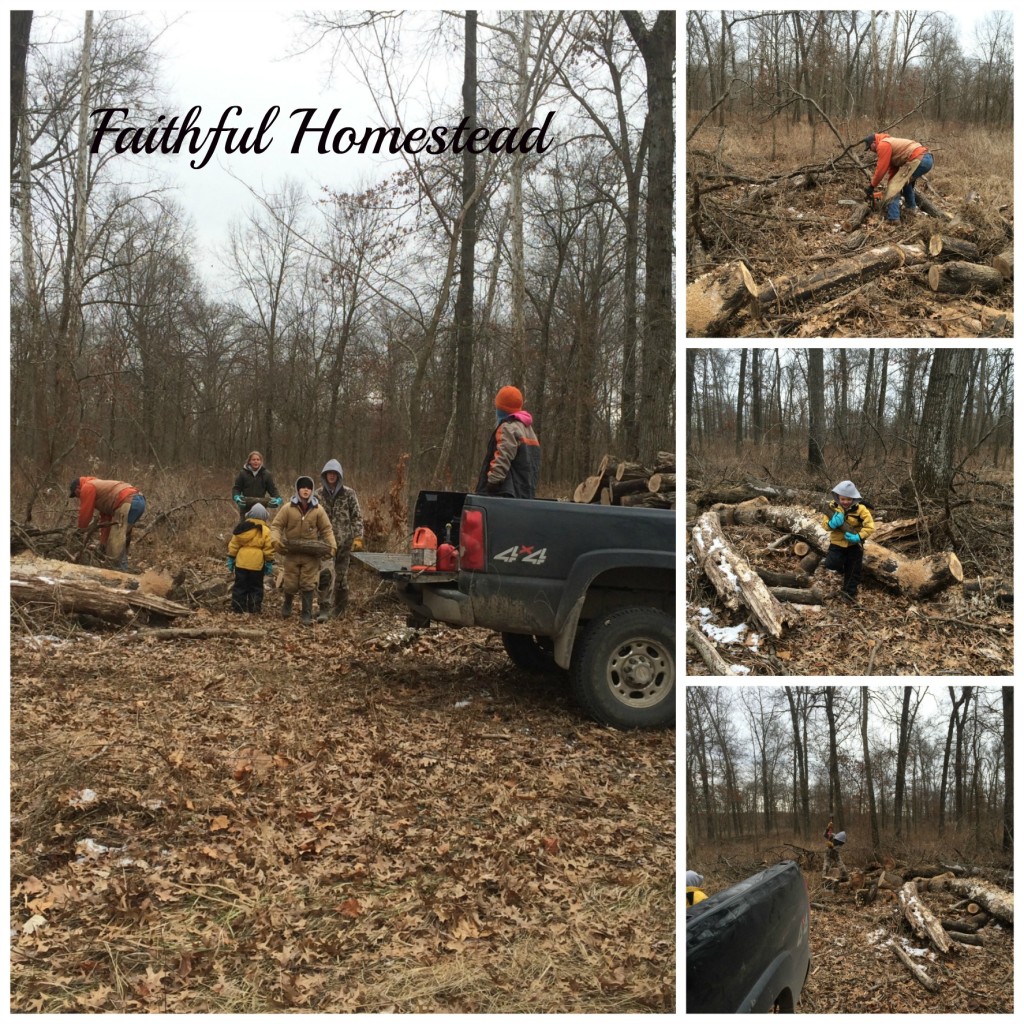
(913, 765)
(842, 64)
(919, 415)
(367, 323)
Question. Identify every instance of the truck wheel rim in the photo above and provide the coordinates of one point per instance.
(640, 672)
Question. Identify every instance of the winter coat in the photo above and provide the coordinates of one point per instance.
(256, 484)
(858, 520)
(893, 154)
(251, 544)
(298, 522)
(341, 506)
(101, 497)
(512, 462)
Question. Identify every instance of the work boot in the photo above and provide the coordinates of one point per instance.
(325, 613)
(340, 604)
(307, 608)
(286, 608)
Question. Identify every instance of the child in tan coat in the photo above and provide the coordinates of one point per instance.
(304, 519)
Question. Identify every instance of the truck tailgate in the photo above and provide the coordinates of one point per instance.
(399, 567)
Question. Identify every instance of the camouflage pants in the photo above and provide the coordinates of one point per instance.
(333, 584)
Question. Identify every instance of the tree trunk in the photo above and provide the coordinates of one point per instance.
(1007, 768)
(995, 900)
(960, 278)
(732, 577)
(941, 421)
(816, 408)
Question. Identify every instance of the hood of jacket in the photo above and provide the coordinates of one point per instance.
(523, 416)
(312, 498)
(332, 466)
(256, 526)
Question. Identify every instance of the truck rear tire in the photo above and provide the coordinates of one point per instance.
(624, 669)
(531, 653)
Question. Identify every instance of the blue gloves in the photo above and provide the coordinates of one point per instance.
(231, 565)
(274, 503)
(239, 501)
(853, 538)
(268, 568)
(837, 520)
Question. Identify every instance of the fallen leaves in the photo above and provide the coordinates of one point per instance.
(331, 842)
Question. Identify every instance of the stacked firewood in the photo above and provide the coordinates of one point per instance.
(618, 482)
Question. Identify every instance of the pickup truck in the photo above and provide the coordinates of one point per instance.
(586, 589)
(747, 947)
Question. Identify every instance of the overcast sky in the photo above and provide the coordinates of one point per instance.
(219, 58)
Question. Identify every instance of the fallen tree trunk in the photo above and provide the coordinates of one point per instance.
(918, 578)
(87, 597)
(917, 972)
(206, 633)
(784, 579)
(732, 577)
(858, 214)
(797, 595)
(958, 278)
(996, 901)
(923, 923)
(930, 208)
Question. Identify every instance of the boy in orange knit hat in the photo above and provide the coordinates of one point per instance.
(512, 464)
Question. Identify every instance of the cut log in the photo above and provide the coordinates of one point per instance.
(588, 491)
(967, 924)
(607, 465)
(890, 880)
(899, 179)
(858, 214)
(800, 548)
(623, 487)
(923, 923)
(966, 938)
(946, 248)
(959, 278)
(714, 300)
(666, 462)
(784, 579)
(731, 495)
(999, 589)
(731, 576)
(605, 496)
(1000, 320)
(716, 664)
(661, 482)
(644, 499)
(797, 595)
(1004, 264)
(996, 901)
(205, 633)
(918, 578)
(919, 974)
(631, 471)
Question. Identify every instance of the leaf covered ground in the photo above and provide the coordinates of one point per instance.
(348, 817)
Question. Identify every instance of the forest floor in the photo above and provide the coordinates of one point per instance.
(740, 207)
(853, 968)
(952, 633)
(352, 816)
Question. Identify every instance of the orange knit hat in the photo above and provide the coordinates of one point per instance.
(509, 399)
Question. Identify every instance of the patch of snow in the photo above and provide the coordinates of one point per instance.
(86, 848)
(84, 799)
(739, 670)
(725, 634)
(463, 703)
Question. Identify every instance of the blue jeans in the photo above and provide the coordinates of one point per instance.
(138, 506)
(892, 208)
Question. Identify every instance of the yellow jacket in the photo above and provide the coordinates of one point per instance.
(251, 544)
(858, 520)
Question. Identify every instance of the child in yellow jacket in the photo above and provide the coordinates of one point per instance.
(851, 523)
(250, 558)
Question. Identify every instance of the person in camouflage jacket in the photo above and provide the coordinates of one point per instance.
(342, 507)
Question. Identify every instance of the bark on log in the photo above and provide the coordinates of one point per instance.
(966, 938)
(842, 276)
(731, 495)
(1004, 264)
(1000, 320)
(661, 482)
(716, 664)
(918, 578)
(996, 901)
(966, 924)
(959, 278)
(206, 633)
(607, 465)
(84, 597)
(666, 462)
(714, 299)
(797, 595)
(858, 214)
(645, 499)
(925, 204)
(922, 921)
(784, 579)
(731, 576)
(917, 972)
(946, 248)
(999, 589)
(620, 488)
(631, 471)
